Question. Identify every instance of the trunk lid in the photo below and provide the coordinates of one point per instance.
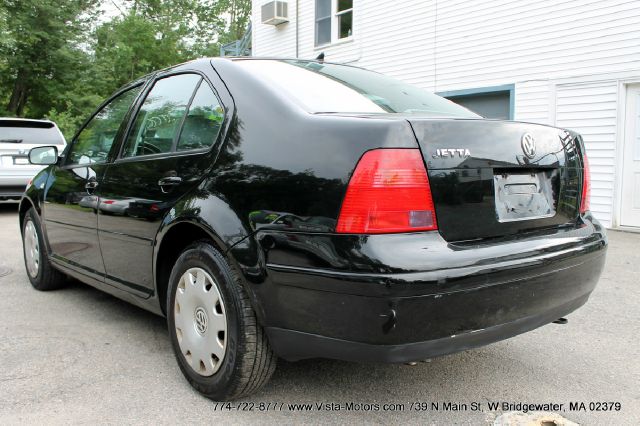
(499, 178)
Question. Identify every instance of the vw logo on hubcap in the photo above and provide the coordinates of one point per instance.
(528, 145)
(200, 320)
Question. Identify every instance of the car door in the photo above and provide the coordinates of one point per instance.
(70, 200)
(166, 153)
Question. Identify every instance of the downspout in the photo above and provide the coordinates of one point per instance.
(297, 27)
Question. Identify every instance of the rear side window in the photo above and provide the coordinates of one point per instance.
(161, 116)
(93, 143)
(29, 132)
(203, 121)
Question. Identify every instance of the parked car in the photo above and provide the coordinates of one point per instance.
(17, 137)
(384, 256)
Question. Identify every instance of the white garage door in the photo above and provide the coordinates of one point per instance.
(630, 203)
(489, 105)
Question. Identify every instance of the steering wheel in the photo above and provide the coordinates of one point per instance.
(149, 148)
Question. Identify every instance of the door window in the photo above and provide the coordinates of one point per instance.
(161, 115)
(93, 143)
(203, 121)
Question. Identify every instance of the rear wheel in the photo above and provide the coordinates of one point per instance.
(220, 347)
(41, 274)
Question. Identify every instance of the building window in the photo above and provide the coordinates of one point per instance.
(323, 22)
(334, 20)
(345, 18)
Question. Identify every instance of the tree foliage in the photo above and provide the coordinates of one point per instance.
(39, 50)
(61, 59)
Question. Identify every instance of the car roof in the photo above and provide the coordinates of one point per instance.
(279, 58)
(213, 59)
(251, 58)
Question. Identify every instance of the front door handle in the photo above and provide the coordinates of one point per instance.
(166, 182)
(91, 185)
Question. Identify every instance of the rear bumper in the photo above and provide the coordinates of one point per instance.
(471, 297)
(296, 345)
(13, 185)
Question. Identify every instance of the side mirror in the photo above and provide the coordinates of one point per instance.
(43, 155)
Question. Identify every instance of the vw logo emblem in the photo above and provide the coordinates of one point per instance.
(200, 320)
(528, 145)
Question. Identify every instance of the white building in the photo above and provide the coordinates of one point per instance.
(569, 63)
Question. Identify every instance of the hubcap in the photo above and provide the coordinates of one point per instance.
(200, 321)
(31, 249)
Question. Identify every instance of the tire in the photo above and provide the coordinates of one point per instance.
(42, 275)
(207, 289)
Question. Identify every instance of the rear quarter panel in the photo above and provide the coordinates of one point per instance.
(279, 161)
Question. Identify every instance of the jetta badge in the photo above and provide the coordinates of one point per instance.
(451, 152)
(528, 145)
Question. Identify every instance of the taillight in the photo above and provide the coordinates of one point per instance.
(388, 192)
(586, 184)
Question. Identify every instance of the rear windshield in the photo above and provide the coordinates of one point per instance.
(331, 88)
(29, 132)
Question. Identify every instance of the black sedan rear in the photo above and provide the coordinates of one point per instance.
(304, 209)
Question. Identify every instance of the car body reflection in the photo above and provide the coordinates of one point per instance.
(138, 208)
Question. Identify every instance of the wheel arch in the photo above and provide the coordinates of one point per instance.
(173, 238)
(170, 242)
(26, 203)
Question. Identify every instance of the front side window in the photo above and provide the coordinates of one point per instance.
(95, 140)
(160, 118)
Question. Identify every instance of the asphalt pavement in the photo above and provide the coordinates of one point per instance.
(81, 356)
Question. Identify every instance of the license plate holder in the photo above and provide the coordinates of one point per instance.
(524, 195)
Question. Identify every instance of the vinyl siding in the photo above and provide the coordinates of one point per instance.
(548, 49)
(533, 102)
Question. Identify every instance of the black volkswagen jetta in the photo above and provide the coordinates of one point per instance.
(305, 209)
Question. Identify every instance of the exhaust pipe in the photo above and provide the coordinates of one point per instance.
(561, 321)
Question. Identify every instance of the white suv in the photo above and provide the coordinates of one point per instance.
(17, 137)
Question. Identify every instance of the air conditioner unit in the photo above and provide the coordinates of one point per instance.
(275, 13)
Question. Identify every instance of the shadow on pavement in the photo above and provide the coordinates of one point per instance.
(306, 379)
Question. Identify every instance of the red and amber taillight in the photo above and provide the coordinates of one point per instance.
(388, 192)
(585, 201)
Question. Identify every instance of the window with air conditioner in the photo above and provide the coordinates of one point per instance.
(333, 21)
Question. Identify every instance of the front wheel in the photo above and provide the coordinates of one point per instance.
(41, 274)
(221, 349)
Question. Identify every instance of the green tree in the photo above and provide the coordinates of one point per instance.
(41, 50)
(58, 61)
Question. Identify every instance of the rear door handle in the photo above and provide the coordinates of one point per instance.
(169, 181)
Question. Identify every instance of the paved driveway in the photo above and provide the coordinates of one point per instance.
(80, 356)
